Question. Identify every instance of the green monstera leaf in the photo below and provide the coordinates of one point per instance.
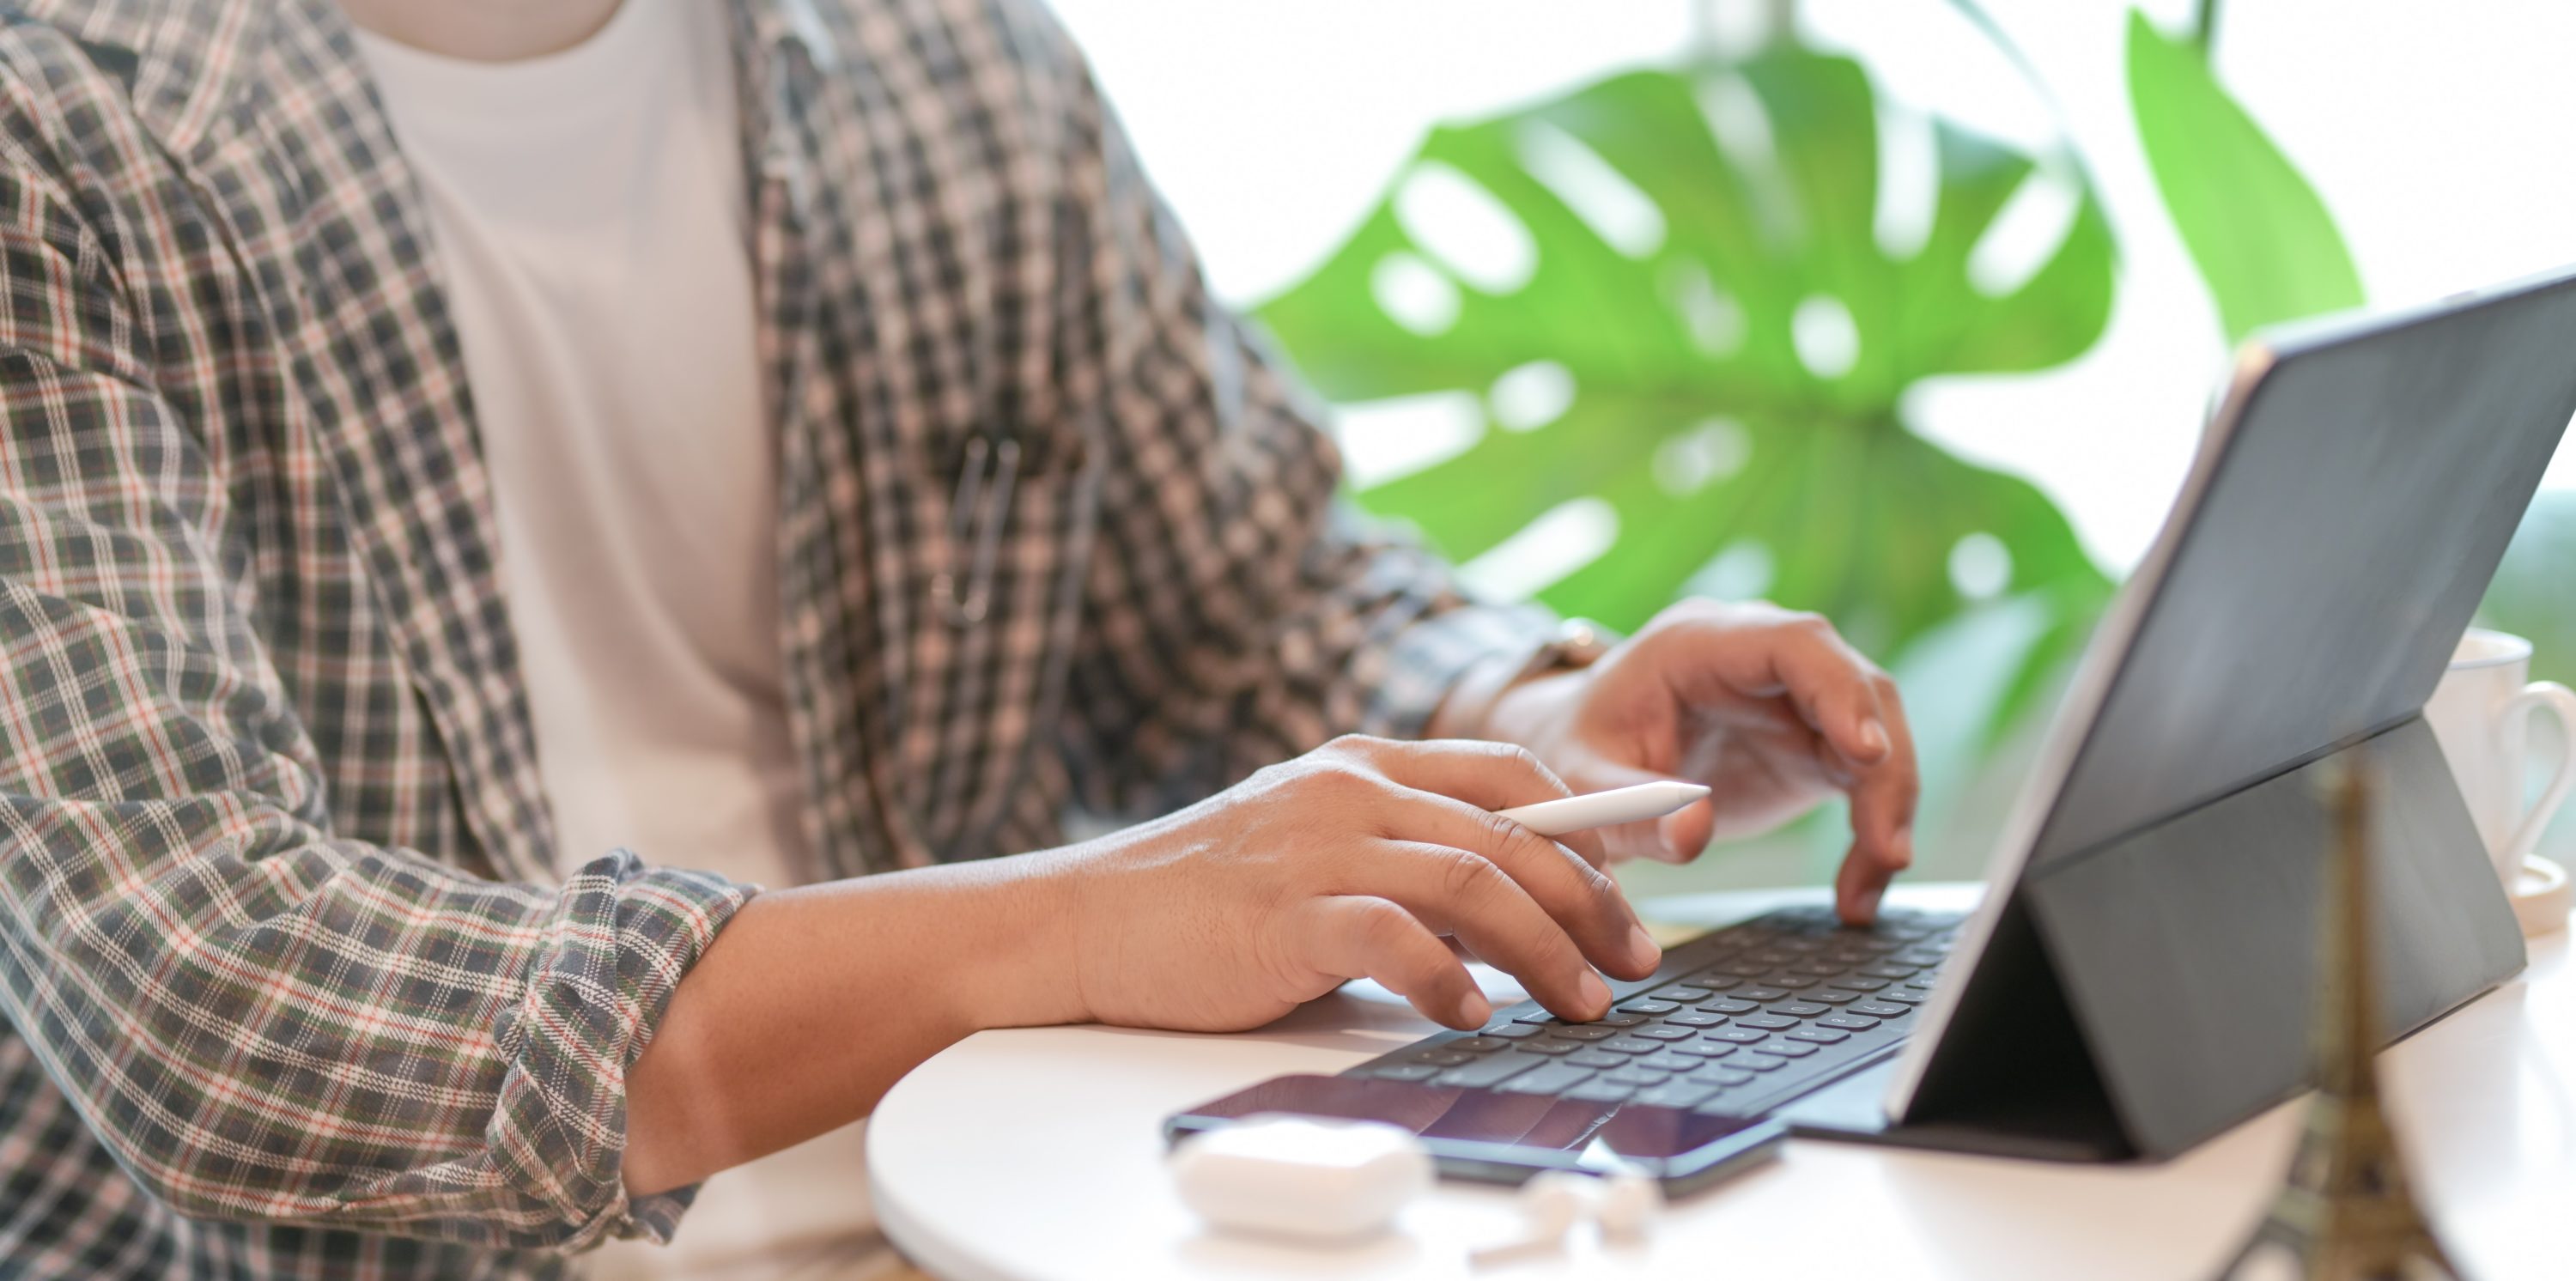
(1693, 326)
(2259, 232)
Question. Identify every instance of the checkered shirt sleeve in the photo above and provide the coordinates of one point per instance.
(260, 1021)
(1237, 613)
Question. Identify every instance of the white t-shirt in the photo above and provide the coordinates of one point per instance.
(590, 214)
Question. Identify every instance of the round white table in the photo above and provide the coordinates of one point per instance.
(1037, 1154)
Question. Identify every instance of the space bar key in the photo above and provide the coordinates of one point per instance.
(1489, 1070)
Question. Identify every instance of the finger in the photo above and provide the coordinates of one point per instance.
(1882, 815)
(1800, 657)
(1360, 937)
(1462, 893)
(1488, 776)
(1577, 895)
(1859, 886)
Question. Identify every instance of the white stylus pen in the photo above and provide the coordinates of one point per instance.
(1605, 809)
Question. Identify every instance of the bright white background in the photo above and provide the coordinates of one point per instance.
(2443, 137)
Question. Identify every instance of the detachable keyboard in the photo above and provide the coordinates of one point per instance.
(1736, 1021)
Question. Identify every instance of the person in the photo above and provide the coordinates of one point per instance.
(489, 484)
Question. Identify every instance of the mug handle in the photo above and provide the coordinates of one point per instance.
(2559, 701)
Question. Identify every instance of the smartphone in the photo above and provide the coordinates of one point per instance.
(1493, 1137)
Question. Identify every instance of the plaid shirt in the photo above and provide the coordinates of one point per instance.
(291, 987)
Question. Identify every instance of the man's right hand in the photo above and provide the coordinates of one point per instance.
(1352, 861)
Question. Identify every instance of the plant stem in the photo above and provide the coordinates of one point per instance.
(1703, 36)
(1985, 23)
(1710, 43)
(2204, 28)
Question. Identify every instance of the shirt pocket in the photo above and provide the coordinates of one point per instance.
(1012, 523)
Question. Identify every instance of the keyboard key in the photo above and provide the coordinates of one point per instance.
(1819, 1035)
(1772, 1022)
(1718, 980)
(1761, 994)
(1858, 984)
(1616, 1018)
(1757, 1063)
(1801, 1009)
(1847, 1022)
(1597, 1059)
(1476, 1044)
(1405, 1072)
(1695, 1018)
(1742, 1035)
(1732, 1006)
(1660, 1033)
(1922, 956)
(1636, 1076)
(1671, 1060)
(1881, 1009)
(1548, 1045)
(1907, 995)
(1650, 1008)
(1789, 979)
(1551, 1078)
(1599, 1091)
(1512, 1031)
(1720, 1076)
(1821, 969)
(1785, 1049)
(1676, 1094)
(1631, 1045)
(1585, 1032)
(1704, 1049)
(1492, 1070)
(1797, 943)
(1443, 1058)
(1542, 1018)
(1890, 971)
(1829, 996)
(1684, 993)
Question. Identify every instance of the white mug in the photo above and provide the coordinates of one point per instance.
(2481, 713)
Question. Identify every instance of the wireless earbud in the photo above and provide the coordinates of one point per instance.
(1626, 1207)
(1552, 1203)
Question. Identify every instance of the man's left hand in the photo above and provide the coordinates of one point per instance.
(1771, 709)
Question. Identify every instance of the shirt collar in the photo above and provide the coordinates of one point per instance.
(191, 57)
(187, 56)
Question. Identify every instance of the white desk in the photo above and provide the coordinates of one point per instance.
(1037, 1154)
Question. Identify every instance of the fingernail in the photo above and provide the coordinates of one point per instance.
(1596, 994)
(1873, 737)
(1475, 1009)
(1642, 949)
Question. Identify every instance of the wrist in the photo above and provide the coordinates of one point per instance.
(1535, 712)
(1030, 976)
(1470, 709)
